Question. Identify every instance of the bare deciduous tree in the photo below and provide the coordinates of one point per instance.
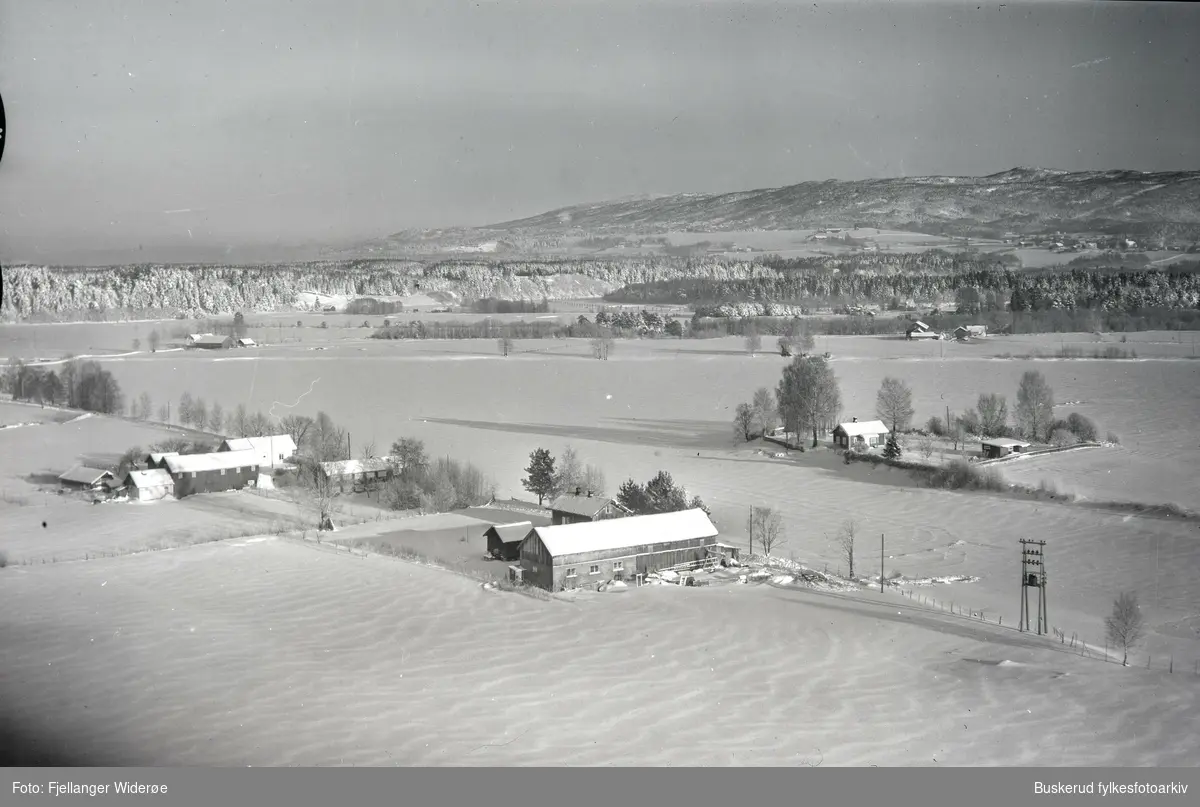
(569, 473)
(993, 414)
(368, 450)
(766, 527)
(845, 541)
(1125, 626)
(601, 347)
(318, 491)
(808, 395)
(505, 345)
(743, 422)
(893, 404)
(1035, 406)
(765, 412)
(753, 340)
(295, 425)
(925, 446)
(593, 479)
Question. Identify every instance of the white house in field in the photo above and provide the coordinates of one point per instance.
(867, 433)
(273, 451)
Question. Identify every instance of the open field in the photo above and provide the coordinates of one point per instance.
(275, 653)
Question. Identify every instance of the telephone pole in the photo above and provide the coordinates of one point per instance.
(880, 563)
(751, 522)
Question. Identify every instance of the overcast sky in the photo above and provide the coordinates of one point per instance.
(200, 122)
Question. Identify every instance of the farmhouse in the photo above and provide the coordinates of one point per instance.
(210, 342)
(867, 433)
(504, 540)
(273, 450)
(996, 447)
(245, 341)
(148, 486)
(588, 553)
(367, 472)
(968, 331)
(573, 509)
(210, 473)
(82, 477)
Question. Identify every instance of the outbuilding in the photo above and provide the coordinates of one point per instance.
(211, 473)
(82, 477)
(970, 332)
(866, 434)
(210, 342)
(273, 450)
(996, 447)
(368, 472)
(504, 540)
(151, 485)
(588, 553)
(246, 341)
(579, 507)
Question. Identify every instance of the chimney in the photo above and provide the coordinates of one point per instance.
(854, 420)
(578, 491)
(589, 494)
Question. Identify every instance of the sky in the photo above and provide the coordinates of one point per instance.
(159, 127)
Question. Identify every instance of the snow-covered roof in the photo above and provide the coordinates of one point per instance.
(246, 341)
(916, 323)
(511, 532)
(271, 444)
(154, 478)
(191, 463)
(622, 533)
(856, 428)
(351, 467)
(83, 475)
(158, 456)
(1005, 442)
(587, 506)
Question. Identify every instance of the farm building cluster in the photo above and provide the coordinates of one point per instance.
(209, 341)
(919, 330)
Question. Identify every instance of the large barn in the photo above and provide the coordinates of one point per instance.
(208, 341)
(210, 473)
(580, 507)
(865, 434)
(589, 553)
(273, 450)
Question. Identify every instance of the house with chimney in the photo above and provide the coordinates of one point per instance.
(584, 505)
(866, 434)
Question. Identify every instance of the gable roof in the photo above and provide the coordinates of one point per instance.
(210, 339)
(245, 340)
(154, 478)
(156, 456)
(271, 444)
(587, 506)
(194, 336)
(622, 533)
(511, 533)
(84, 475)
(916, 323)
(863, 427)
(348, 467)
(971, 329)
(221, 460)
(1005, 442)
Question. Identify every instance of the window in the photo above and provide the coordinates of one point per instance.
(192, 474)
(618, 565)
(571, 573)
(595, 569)
(237, 470)
(222, 472)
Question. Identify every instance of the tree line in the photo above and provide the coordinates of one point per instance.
(76, 385)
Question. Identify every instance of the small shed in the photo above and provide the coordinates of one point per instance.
(368, 472)
(82, 477)
(151, 485)
(996, 447)
(246, 341)
(504, 540)
(865, 434)
(581, 506)
(970, 332)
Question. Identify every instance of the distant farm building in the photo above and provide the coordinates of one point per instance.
(210, 342)
(580, 507)
(212, 473)
(586, 554)
(918, 330)
(504, 540)
(970, 331)
(82, 477)
(996, 447)
(194, 337)
(148, 486)
(865, 434)
(272, 450)
(245, 341)
(359, 473)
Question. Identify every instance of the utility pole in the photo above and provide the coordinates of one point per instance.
(751, 530)
(1033, 575)
(348, 454)
(880, 563)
